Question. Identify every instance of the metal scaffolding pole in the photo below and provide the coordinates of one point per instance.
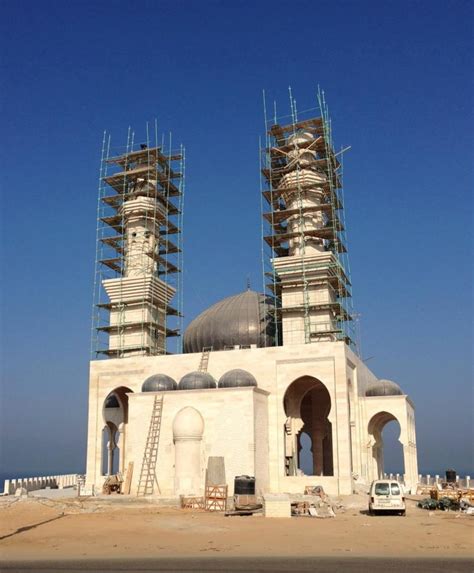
(301, 180)
(138, 256)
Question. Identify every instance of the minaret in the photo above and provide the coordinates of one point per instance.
(140, 198)
(306, 232)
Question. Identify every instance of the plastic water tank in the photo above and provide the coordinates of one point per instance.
(244, 485)
(451, 476)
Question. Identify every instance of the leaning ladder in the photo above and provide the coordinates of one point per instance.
(146, 482)
(205, 358)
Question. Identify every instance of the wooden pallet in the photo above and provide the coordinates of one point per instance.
(215, 498)
(192, 502)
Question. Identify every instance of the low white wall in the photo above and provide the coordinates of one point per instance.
(35, 483)
(428, 479)
(438, 479)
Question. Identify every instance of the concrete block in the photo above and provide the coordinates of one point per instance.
(276, 505)
(215, 473)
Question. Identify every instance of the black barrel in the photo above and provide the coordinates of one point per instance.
(451, 476)
(244, 485)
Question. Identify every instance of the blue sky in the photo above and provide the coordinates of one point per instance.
(396, 77)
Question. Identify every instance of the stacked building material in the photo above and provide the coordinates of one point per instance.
(276, 505)
(215, 498)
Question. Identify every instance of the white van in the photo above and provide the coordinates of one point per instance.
(386, 495)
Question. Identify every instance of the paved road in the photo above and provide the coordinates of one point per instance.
(248, 565)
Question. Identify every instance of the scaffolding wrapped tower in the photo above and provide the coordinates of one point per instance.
(138, 285)
(304, 248)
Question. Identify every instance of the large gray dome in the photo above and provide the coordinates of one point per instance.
(197, 381)
(243, 319)
(236, 378)
(384, 388)
(159, 383)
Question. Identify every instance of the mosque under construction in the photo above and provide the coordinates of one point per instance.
(257, 375)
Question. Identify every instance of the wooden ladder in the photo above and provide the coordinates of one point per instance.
(146, 482)
(205, 358)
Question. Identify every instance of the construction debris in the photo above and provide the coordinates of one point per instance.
(315, 503)
(447, 504)
(466, 507)
(113, 484)
(243, 512)
(447, 490)
(315, 490)
(428, 503)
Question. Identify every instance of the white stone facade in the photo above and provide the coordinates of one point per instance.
(248, 426)
(313, 385)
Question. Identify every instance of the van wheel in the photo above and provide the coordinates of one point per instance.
(403, 513)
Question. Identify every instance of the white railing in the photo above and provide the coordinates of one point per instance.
(464, 482)
(427, 480)
(35, 483)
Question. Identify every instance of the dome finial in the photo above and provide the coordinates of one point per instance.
(248, 282)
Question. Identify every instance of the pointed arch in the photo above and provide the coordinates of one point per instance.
(115, 415)
(375, 429)
(307, 405)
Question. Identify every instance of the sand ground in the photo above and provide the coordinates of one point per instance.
(40, 529)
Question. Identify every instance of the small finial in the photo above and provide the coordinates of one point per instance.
(248, 282)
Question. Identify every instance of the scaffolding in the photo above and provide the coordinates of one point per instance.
(138, 292)
(298, 163)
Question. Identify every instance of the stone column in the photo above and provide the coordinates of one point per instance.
(110, 454)
(317, 436)
(121, 447)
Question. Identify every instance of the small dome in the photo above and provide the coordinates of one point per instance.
(197, 381)
(237, 377)
(384, 388)
(159, 383)
(188, 423)
(112, 401)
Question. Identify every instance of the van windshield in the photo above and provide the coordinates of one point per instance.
(382, 489)
(395, 489)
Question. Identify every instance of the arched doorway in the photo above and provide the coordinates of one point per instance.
(393, 449)
(307, 405)
(384, 430)
(115, 414)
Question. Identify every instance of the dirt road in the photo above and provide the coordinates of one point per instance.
(42, 530)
